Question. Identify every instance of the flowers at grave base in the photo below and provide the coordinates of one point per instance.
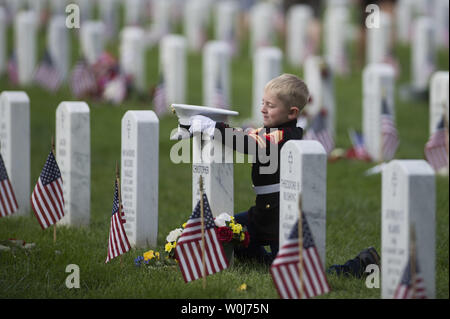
(229, 231)
(171, 242)
(151, 258)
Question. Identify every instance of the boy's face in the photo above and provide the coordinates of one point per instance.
(274, 111)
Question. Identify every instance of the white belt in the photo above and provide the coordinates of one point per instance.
(266, 189)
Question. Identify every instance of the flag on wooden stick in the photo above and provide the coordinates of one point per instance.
(47, 199)
(285, 268)
(118, 243)
(189, 245)
(320, 132)
(8, 202)
(160, 96)
(47, 74)
(389, 136)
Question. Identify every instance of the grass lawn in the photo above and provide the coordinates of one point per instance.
(353, 201)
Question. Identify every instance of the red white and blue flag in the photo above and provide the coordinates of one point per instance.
(118, 243)
(318, 131)
(285, 267)
(82, 80)
(47, 74)
(159, 97)
(389, 134)
(411, 285)
(8, 202)
(13, 71)
(219, 99)
(436, 151)
(47, 199)
(189, 246)
(358, 150)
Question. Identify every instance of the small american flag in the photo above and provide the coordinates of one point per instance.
(358, 150)
(13, 71)
(8, 203)
(318, 131)
(118, 243)
(82, 80)
(436, 151)
(285, 272)
(219, 99)
(388, 133)
(409, 287)
(189, 246)
(159, 97)
(47, 74)
(47, 199)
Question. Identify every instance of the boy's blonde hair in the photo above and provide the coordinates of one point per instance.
(290, 89)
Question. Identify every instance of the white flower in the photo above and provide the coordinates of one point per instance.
(221, 220)
(174, 234)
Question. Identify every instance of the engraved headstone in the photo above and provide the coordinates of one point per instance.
(196, 21)
(73, 153)
(58, 44)
(303, 169)
(298, 44)
(173, 67)
(423, 60)
(267, 64)
(25, 41)
(15, 144)
(337, 23)
(378, 89)
(379, 41)
(92, 40)
(320, 81)
(132, 55)
(439, 98)
(228, 24)
(139, 176)
(216, 74)
(262, 26)
(408, 200)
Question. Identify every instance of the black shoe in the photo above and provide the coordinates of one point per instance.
(368, 257)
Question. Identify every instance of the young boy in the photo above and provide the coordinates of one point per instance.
(284, 98)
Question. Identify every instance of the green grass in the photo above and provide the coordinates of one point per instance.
(353, 201)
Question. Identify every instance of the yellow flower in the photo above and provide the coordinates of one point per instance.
(243, 287)
(149, 255)
(242, 237)
(157, 255)
(184, 225)
(168, 247)
(237, 228)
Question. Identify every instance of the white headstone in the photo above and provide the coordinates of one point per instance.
(336, 45)
(109, 14)
(3, 47)
(162, 17)
(73, 153)
(228, 24)
(439, 98)
(441, 22)
(404, 11)
(320, 81)
(92, 40)
(379, 41)
(173, 65)
(132, 55)
(303, 169)
(267, 64)
(58, 6)
(298, 42)
(58, 44)
(408, 200)
(139, 176)
(15, 144)
(423, 53)
(214, 162)
(196, 21)
(216, 74)
(262, 26)
(134, 12)
(378, 87)
(25, 38)
(86, 9)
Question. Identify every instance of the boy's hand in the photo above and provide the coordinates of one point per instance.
(200, 123)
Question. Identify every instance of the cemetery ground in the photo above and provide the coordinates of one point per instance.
(353, 200)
